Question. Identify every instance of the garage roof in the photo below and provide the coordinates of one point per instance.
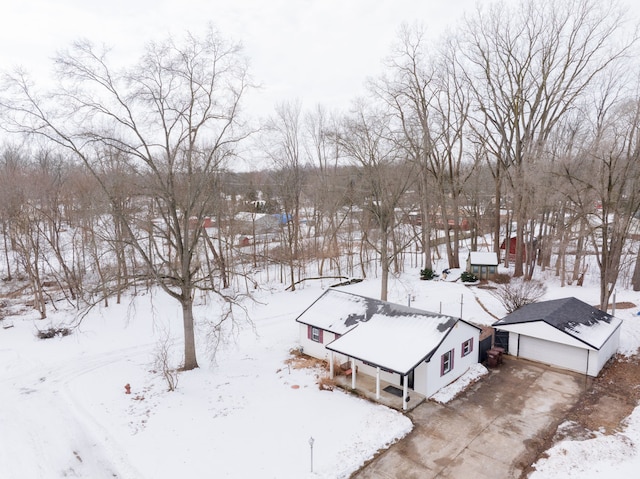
(571, 316)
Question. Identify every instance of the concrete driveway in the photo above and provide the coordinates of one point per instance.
(493, 430)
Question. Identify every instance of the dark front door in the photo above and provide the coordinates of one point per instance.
(410, 379)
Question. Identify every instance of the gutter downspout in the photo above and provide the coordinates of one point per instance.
(586, 373)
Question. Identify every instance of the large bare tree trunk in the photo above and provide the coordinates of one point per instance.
(384, 265)
(5, 235)
(190, 361)
(172, 143)
(635, 280)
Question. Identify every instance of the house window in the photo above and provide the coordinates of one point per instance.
(314, 334)
(446, 363)
(467, 347)
(475, 268)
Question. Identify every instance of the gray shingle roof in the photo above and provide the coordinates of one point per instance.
(392, 336)
(339, 311)
(569, 315)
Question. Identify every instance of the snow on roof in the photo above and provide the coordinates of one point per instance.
(392, 336)
(335, 311)
(569, 315)
(395, 343)
(484, 258)
(248, 216)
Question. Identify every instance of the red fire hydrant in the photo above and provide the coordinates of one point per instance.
(127, 388)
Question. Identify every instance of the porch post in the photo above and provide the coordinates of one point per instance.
(331, 364)
(404, 392)
(353, 373)
(377, 383)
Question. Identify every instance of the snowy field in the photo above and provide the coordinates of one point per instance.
(64, 411)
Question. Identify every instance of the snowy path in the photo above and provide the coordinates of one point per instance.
(52, 434)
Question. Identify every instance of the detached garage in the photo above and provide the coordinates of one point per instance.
(566, 333)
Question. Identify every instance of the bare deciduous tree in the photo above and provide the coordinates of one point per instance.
(367, 138)
(408, 91)
(527, 65)
(519, 293)
(288, 155)
(329, 194)
(605, 177)
(174, 120)
(163, 362)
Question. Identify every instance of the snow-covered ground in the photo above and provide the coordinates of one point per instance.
(64, 411)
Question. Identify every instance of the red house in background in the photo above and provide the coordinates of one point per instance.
(512, 248)
(207, 222)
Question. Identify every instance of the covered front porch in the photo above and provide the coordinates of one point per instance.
(376, 389)
(366, 387)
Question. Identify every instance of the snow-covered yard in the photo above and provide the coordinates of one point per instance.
(64, 411)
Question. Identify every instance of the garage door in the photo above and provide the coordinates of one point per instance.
(556, 354)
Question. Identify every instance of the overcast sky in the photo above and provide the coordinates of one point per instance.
(318, 51)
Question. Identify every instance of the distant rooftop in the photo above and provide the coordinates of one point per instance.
(489, 258)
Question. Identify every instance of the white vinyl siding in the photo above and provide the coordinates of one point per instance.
(447, 362)
(467, 347)
(555, 354)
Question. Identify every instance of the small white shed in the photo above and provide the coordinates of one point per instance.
(566, 333)
(484, 264)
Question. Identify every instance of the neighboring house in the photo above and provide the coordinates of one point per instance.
(483, 264)
(566, 333)
(282, 218)
(406, 347)
(206, 222)
(256, 223)
(513, 242)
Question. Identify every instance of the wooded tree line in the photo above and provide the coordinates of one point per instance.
(521, 122)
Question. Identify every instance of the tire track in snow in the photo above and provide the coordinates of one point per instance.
(54, 428)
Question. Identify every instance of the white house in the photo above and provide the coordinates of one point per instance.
(566, 333)
(407, 347)
(484, 264)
